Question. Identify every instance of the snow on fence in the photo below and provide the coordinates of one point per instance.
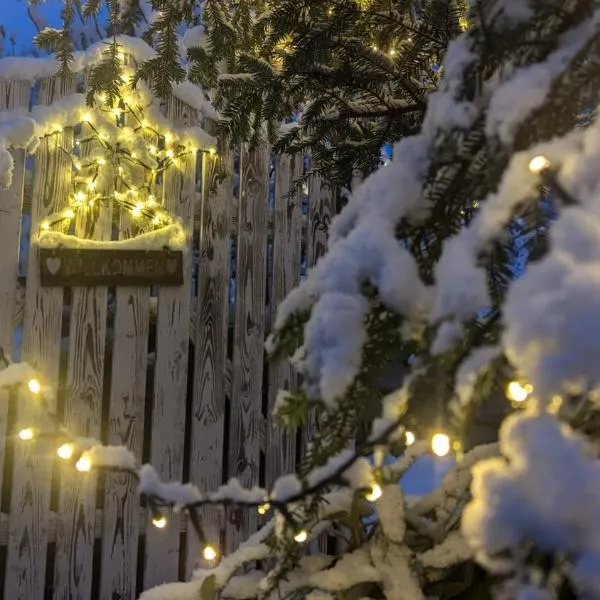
(176, 374)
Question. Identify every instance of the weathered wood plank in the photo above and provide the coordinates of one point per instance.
(121, 530)
(97, 525)
(281, 447)
(249, 335)
(83, 415)
(321, 209)
(32, 477)
(210, 358)
(12, 95)
(171, 367)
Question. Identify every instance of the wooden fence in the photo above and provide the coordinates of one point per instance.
(178, 375)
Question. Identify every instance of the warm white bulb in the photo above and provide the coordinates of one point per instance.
(159, 522)
(84, 464)
(409, 438)
(136, 211)
(34, 386)
(517, 392)
(538, 164)
(65, 451)
(263, 509)
(440, 444)
(375, 493)
(86, 118)
(209, 553)
(301, 536)
(45, 225)
(212, 151)
(27, 434)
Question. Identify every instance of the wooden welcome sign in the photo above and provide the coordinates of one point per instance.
(66, 267)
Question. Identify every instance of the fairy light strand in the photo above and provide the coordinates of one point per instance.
(69, 451)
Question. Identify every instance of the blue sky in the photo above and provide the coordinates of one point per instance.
(15, 20)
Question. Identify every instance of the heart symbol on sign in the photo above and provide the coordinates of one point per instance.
(53, 263)
(171, 266)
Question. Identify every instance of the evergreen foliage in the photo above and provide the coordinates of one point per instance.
(356, 73)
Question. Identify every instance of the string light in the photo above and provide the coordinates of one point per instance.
(301, 536)
(440, 444)
(159, 521)
(27, 434)
(375, 493)
(410, 438)
(86, 118)
(69, 213)
(212, 151)
(66, 451)
(518, 392)
(34, 386)
(84, 464)
(538, 164)
(263, 509)
(209, 553)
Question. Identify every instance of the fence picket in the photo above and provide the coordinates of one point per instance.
(13, 95)
(171, 367)
(321, 209)
(32, 477)
(287, 238)
(246, 409)
(120, 533)
(82, 415)
(212, 314)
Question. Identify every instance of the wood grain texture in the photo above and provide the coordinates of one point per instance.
(30, 497)
(171, 367)
(249, 335)
(321, 209)
(126, 422)
(287, 238)
(82, 414)
(120, 537)
(13, 95)
(210, 358)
